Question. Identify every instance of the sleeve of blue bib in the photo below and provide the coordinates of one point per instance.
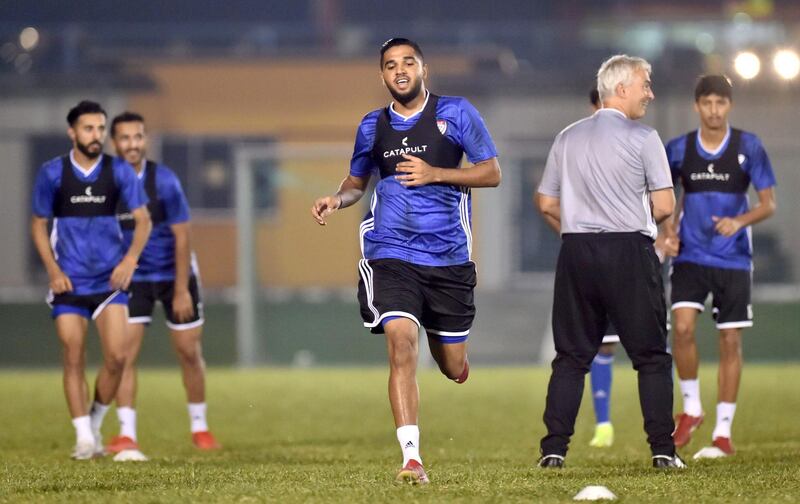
(176, 206)
(760, 168)
(676, 149)
(361, 164)
(44, 193)
(130, 186)
(473, 136)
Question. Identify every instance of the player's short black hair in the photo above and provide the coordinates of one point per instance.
(713, 84)
(84, 107)
(594, 97)
(125, 117)
(397, 41)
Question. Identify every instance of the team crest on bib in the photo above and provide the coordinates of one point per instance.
(442, 125)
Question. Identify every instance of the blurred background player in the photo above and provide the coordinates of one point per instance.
(715, 165)
(167, 273)
(417, 269)
(89, 264)
(601, 370)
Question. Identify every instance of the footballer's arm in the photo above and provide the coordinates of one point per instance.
(350, 191)
(123, 273)
(182, 306)
(59, 281)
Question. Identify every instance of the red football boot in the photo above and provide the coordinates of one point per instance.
(684, 426)
(413, 474)
(121, 443)
(204, 440)
(724, 444)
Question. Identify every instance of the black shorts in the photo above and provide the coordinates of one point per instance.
(88, 306)
(730, 289)
(438, 298)
(610, 335)
(143, 297)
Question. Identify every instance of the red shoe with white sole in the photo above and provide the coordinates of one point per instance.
(121, 443)
(684, 426)
(413, 474)
(204, 440)
(721, 447)
(724, 444)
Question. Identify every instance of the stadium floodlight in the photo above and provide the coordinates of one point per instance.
(747, 64)
(786, 63)
(29, 38)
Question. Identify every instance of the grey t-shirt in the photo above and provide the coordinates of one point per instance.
(603, 168)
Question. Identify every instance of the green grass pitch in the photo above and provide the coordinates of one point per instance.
(326, 435)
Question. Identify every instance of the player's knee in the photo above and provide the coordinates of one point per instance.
(74, 361)
(130, 360)
(190, 355)
(402, 352)
(683, 331)
(114, 361)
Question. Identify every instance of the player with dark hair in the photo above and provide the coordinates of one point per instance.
(594, 99)
(416, 239)
(89, 264)
(167, 273)
(715, 164)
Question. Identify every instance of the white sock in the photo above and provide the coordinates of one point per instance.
(83, 428)
(197, 416)
(408, 437)
(127, 422)
(725, 412)
(97, 413)
(691, 397)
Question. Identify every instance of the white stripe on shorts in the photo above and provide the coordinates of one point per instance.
(366, 276)
(447, 333)
(735, 325)
(392, 314)
(186, 326)
(689, 304)
(105, 303)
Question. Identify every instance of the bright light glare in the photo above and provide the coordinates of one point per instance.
(747, 65)
(29, 38)
(786, 63)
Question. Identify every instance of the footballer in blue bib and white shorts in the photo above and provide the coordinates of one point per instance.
(715, 166)
(167, 273)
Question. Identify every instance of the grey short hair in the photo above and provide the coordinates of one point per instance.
(617, 70)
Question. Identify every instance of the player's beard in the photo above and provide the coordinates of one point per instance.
(136, 158)
(88, 153)
(409, 96)
(715, 123)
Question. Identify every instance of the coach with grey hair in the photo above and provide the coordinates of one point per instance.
(606, 187)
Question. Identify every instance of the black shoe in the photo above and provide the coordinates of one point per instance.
(668, 462)
(551, 461)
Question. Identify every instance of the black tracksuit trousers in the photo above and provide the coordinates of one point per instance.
(602, 277)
